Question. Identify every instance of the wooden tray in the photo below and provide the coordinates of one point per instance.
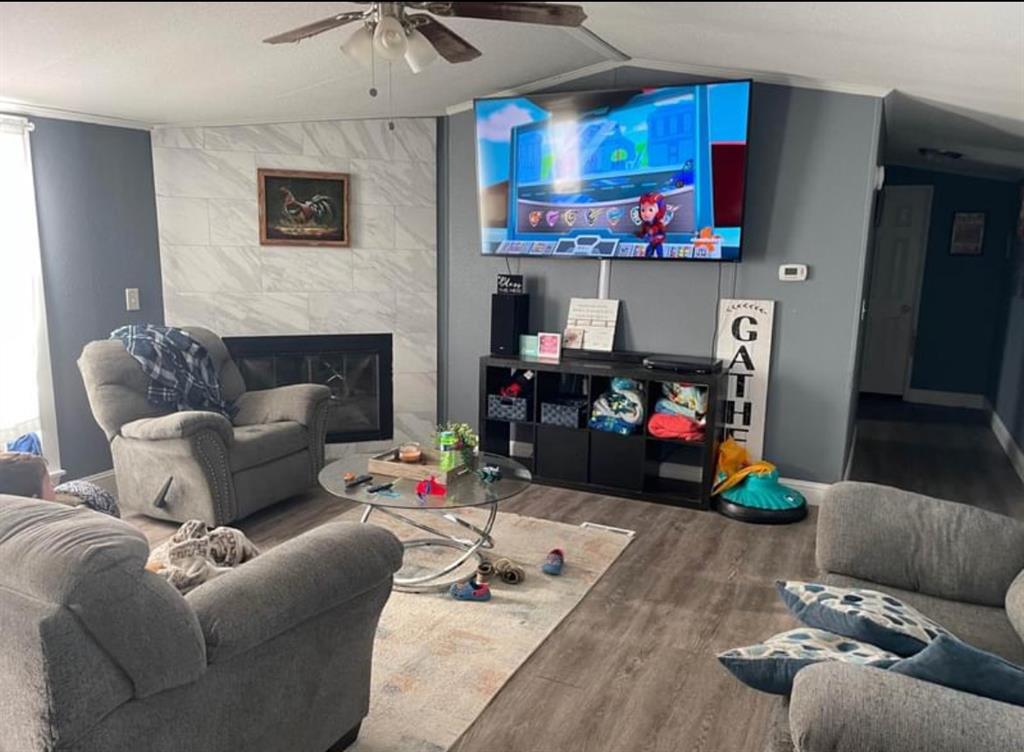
(388, 463)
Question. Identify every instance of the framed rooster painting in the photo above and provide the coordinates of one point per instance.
(303, 208)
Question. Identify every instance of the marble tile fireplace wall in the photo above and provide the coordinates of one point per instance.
(216, 274)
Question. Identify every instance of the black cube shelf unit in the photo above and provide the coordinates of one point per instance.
(639, 466)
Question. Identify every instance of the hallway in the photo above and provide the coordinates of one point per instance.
(950, 453)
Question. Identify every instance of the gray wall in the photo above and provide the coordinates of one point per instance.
(810, 188)
(1009, 403)
(1009, 394)
(97, 230)
(957, 300)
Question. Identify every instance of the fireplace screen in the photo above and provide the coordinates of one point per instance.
(356, 368)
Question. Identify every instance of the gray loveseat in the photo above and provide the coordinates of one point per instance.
(99, 655)
(219, 470)
(957, 564)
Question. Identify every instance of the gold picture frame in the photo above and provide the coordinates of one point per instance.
(299, 207)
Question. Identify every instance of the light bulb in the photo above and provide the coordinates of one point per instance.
(389, 38)
(419, 52)
(359, 47)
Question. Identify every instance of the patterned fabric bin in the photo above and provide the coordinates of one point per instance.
(570, 413)
(507, 408)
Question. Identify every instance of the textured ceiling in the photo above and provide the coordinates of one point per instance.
(205, 63)
(957, 68)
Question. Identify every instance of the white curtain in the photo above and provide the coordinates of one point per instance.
(25, 381)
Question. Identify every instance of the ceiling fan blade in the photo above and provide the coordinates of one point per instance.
(318, 27)
(448, 44)
(550, 14)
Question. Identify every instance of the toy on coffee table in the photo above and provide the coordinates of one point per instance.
(430, 487)
(489, 473)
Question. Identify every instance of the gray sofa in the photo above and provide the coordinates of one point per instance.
(99, 655)
(957, 564)
(219, 470)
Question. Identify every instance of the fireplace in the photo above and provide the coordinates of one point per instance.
(356, 367)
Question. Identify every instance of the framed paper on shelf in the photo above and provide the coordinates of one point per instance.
(549, 346)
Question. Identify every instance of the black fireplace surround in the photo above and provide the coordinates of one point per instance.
(356, 367)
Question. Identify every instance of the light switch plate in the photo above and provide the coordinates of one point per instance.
(131, 299)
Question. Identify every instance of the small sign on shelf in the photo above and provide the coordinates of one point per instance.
(591, 324)
(510, 284)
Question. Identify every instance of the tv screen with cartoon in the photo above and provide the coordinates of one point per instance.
(644, 173)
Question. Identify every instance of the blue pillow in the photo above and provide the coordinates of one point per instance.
(957, 665)
(866, 615)
(771, 665)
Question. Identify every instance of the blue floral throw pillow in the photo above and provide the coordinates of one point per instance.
(866, 615)
(771, 665)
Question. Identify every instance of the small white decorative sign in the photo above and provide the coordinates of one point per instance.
(591, 324)
(745, 347)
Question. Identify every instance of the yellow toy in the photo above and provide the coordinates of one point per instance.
(734, 465)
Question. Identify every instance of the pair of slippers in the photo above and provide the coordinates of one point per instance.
(510, 573)
(478, 589)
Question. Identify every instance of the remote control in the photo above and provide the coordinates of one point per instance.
(381, 487)
(358, 481)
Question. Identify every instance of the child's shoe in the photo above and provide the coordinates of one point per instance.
(469, 591)
(554, 563)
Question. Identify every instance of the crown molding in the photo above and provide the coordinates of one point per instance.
(598, 44)
(14, 107)
(971, 169)
(617, 59)
(544, 83)
(763, 77)
(665, 66)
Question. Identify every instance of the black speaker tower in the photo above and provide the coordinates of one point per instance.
(510, 318)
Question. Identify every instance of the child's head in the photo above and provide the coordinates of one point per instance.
(25, 475)
(652, 207)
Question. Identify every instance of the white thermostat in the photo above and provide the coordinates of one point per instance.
(793, 272)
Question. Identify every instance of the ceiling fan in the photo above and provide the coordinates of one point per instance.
(392, 32)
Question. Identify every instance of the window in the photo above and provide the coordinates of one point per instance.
(26, 391)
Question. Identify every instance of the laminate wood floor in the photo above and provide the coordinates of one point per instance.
(633, 667)
(946, 452)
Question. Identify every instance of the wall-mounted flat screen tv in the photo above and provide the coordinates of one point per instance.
(639, 174)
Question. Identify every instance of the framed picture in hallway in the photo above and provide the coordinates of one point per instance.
(968, 234)
(303, 208)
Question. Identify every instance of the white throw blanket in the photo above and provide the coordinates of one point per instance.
(194, 554)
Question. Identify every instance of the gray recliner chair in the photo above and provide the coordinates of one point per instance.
(198, 464)
(100, 655)
(957, 564)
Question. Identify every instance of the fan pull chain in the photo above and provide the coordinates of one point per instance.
(373, 71)
(391, 103)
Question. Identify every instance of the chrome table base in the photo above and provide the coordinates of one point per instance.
(467, 547)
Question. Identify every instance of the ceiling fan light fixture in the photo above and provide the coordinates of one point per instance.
(419, 52)
(389, 38)
(359, 47)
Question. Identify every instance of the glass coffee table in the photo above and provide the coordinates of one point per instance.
(464, 490)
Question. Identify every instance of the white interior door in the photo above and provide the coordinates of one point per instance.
(897, 268)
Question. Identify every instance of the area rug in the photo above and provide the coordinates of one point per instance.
(437, 662)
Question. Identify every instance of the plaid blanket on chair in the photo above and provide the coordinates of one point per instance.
(180, 370)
